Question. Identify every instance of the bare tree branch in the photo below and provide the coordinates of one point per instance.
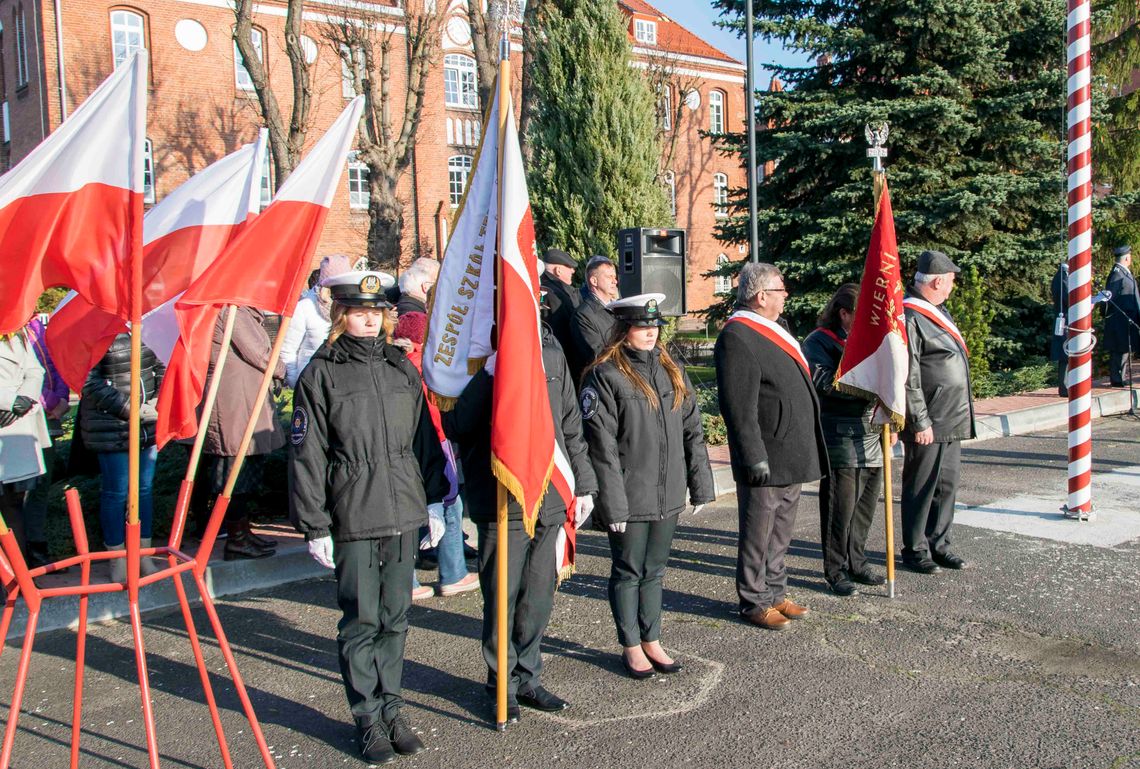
(662, 72)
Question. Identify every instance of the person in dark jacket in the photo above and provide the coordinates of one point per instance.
(104, 421)
(1121, 318)
(849, 494)
(648, 450)
(364, 466)
(1060, 289)
(775, 441)
(939, 416)
(532, 563)
(593, 324)
(562, 298)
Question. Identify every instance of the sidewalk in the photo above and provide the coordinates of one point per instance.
(994, 418)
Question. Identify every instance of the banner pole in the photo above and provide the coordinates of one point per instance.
(888, 511)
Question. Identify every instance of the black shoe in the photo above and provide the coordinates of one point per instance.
(260, 541)
(665, 667)
(843, 587)
(375, 747)
(427, 560)
(949, 561)
(636, 674)
(513, 711)
(921, 565)
(241, 546)
(403, 739)
(540, 699)
(868, 578)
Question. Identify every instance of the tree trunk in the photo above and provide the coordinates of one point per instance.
(385, 224)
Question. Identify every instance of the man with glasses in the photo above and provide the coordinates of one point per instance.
(775, 440)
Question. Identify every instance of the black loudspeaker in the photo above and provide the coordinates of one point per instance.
(653, 261)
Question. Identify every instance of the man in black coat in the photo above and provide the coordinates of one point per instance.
(532, 563)
(561, 296)
(1060, 289)
(774, 437)
(415, 283)
(593, 323)
(1121, 317)
(939, 416)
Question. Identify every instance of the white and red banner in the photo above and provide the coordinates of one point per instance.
(563, 483)
(265, 266)
(774, 333)
(874, 362)
(71, 211)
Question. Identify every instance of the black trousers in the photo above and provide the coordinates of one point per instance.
(532, 577)
(1119, 368)
(929, 490)
(767, 516)
(847, 502)
(374, 592)
(637, 573)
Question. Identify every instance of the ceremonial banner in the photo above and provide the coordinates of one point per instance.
(562, 482)
(70, 210)
(182, 235)
(874, 362)
(265, 267)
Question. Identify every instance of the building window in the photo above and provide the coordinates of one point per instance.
(723, 282)
(645, 31)
(716, 112)
(671, 188)
(351, 65)
(665, 105)
(458, 169)
(148, 172)
(266, 180)
(19, 23)
(720, 194)
(7, 124)
(460, 84)
(358, 195)
(128, 35)
(241, 75)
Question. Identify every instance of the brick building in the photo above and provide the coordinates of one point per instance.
(53, 53)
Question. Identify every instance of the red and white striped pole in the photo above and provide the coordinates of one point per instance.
(1080, 340)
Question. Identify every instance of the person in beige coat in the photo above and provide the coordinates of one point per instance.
(23, 428)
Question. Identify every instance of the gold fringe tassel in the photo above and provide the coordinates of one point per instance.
(514, 487)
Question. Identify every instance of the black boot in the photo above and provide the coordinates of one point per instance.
(241, 545)
(372, 736)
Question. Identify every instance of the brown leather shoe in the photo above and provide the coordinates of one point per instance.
(769, 619)
(791, 609)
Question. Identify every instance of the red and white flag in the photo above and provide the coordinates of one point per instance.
(874, 362)
(265, 266)
(563, 483)
(71, 211)
(182, 235)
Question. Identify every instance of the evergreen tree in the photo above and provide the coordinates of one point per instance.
(973, 91)
(593, 137)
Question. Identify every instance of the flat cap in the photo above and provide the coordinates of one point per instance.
(559, 257)
(936, 263)
(1124, 250)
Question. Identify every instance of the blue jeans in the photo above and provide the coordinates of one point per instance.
(449, 552)
(113, 498)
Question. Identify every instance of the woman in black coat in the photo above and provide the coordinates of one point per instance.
(648, 449)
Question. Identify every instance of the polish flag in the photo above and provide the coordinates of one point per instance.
(265, 267)
(71, 211)
(562, 481)
(182, 235)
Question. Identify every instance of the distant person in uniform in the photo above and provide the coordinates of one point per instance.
(415, 283)
(1121, 318)
(593, 323)
(365, 472)
(648, 449)
(1060, 290)
(939, 416)
(561, 296)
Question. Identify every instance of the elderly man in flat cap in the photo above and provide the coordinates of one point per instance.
(939, 416)
(561, 297)
(1121, 318)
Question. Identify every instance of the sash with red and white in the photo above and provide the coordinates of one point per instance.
(774, 333)
(938, 318)
(562, 481)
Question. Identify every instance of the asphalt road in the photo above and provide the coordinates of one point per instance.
(1027, 659)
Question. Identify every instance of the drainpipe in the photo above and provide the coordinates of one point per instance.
(59, 62)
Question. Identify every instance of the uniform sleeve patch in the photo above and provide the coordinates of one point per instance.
(300, 426)
(589, 402)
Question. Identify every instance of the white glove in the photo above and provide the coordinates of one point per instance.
(322, 551)
(148, 413)
(582, 511)
(697, 509)
(436, 526)
(489, 366)
(618, 528)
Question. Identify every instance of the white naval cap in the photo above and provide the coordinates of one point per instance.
(638, 310)
(360, 288)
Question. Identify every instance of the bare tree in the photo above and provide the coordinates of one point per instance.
(368, 45)
(285, 141)
(671, 89)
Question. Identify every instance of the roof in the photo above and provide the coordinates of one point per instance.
(671, 36)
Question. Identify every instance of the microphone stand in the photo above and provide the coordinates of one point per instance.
(1131, 387)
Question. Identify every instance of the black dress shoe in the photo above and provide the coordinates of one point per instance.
(869, 578)
(513, 712)
(665, 667)
(949, 561)
(634, 673)
(540, 699)
(843, 587)
(374, 744)
(239, 546)
(922, 566)
(403, 739)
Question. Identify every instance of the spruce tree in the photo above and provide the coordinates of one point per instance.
(973, 91)
(593, 138)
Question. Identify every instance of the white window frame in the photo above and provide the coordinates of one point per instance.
(458, 173)
(716, 112)
(720, 195)
(347, 75)
(359, 195)
(148, 172)
(266, 182)
(666, 105)
(645, 31)
(460, 82)
(122, 20)
(723, 284)
(242, 79)
(21, 48)
(671, 185)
